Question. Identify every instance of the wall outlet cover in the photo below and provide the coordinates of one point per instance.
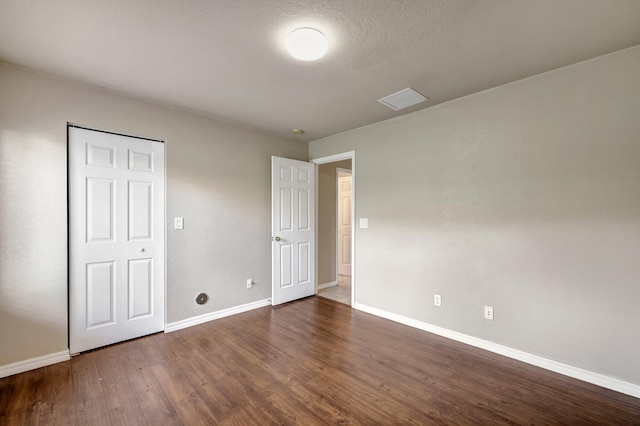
(488, 312)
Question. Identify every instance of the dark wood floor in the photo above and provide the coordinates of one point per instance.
(314, 361)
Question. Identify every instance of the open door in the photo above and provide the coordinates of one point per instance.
(292, 229)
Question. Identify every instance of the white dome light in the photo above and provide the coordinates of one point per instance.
(307, 44)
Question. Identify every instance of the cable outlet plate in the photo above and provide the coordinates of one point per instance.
(488, 312)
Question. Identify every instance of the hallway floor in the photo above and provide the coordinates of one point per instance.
(340, 292)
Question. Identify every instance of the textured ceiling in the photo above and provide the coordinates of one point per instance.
(226, 58)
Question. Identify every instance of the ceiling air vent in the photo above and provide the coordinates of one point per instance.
(403, 99)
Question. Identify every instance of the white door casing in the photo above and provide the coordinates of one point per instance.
(293, 229)
(116, 238)
(343, 222)
(351, 155)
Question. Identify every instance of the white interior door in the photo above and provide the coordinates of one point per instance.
(293, 229)
(116, 238)
(344, 222)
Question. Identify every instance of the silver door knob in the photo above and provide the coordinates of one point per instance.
(141, 249)
(277, 238)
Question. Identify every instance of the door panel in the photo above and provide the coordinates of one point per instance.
(293, 229)
(286, 265)
(100, 294)
(142, 161)
(286, 209)
(100, 209)
(304, 262)
(304, 215)
(100, 156)
(140, 210)
(116, 238)
(140, 288)
(346, 254)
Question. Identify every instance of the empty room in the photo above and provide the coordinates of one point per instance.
(319, 212)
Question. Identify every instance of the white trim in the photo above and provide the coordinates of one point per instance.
(334, 158)
(166, 238)
(548, 364)
(316, 201)
(33, 363)
(200, 319)
(327, 285)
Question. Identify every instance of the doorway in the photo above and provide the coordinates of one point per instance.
(335, 242)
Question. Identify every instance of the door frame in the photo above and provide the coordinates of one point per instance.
(349, 155)
(70, 124)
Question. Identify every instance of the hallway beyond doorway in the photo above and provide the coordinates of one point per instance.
(340, 292)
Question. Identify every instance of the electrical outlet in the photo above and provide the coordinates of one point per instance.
(250, 283)
(437, 300)
(488, 312)
(178, 223)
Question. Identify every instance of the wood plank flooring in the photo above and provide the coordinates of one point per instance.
(314, 361)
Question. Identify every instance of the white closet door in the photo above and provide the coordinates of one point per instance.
(116, 238)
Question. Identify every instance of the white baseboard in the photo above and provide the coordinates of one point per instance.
(33, 363)
(190, 322)
(548, 364)
(327, 285)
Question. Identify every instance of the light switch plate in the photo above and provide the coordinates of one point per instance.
(364, 222)
(178, 223)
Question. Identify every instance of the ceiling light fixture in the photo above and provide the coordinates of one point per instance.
(307, 44)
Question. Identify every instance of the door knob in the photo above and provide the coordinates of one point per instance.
(141, 249)
(277, 238)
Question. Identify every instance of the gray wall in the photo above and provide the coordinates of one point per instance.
(327, 216)
(525, 197)
(217, 177)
